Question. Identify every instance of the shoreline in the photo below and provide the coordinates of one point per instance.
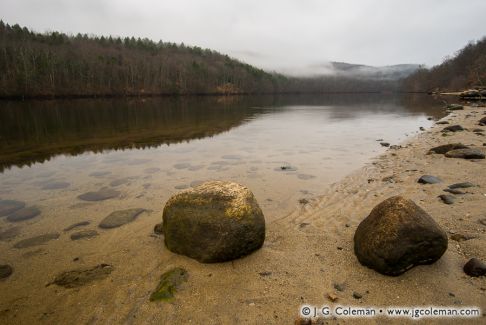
(307, 254)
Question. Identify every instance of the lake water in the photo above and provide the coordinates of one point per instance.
(136, 153)
(283, 148)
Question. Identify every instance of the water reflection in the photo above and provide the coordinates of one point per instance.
(35, 131)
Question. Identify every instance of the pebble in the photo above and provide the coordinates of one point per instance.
(5, 271)
(357, 295)
(475, 267)
(447, 198)
(428, 179)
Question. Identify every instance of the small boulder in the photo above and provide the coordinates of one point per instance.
(475, 267)
(442, 149)
(465, 154)
(398, 235)
(453, 128)
(442, 122)
(482, 121)
(454, 191)
(384, 144)
(428, 179)
(214, 222)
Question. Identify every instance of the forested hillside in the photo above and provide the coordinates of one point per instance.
(58, 65)
(467, 68)
(51, 64)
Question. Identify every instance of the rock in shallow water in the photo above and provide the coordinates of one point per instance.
(81, 277)
(9, 233)
(169, 283)
(37, 240)
(5, 271)
(77, 225)
(120, 217)
(475, 267)
(214, 222)
(398, 235)
(84, 234)
(9, 206)
(465, 154)
(24, 214)
(428, 179)
(102, 194)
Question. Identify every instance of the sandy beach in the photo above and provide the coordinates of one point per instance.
(307, 256)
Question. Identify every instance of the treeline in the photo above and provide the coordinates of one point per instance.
(58, 65)
(466, 69)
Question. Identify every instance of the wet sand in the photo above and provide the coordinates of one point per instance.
(305, 253)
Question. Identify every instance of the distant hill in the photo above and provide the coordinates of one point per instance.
(466, 69)
(391, 72)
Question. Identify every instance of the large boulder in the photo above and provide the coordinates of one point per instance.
(214, 222)
(398, 235)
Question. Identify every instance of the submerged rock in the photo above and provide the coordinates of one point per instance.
(84, 234)
(385, 144)
(102, 194)
(77, 225)
(428, 179)
(120, 217)
(55, 185)
(24, 214)
(83, 276)
(447, 198)
(398, 235)
(5, 271)
(465, 154)
(442, 149)
(475, 267)
(453, 128)
(37, 240)
(169, 283)
(214, 222)
(9, 206)
(120, 181)
(9, 233)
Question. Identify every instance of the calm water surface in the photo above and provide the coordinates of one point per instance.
(283, 148)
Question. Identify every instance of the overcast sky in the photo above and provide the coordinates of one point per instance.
(282, 35)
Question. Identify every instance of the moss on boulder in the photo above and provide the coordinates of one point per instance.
(214, 222)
